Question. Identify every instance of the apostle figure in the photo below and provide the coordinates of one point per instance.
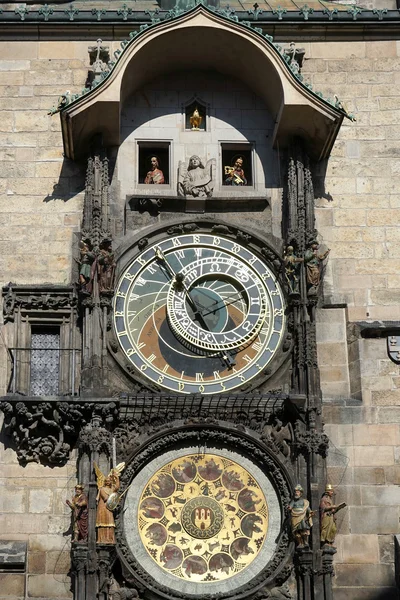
(79, 507)
(300, 518)
(328, 510)
(235, 175)
(155, 175)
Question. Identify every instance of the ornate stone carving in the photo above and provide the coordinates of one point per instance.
(99, 58)
(277, 437)
(309, 441)
(47, 431)
(44, 298)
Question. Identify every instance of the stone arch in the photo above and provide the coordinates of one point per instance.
(201, 37)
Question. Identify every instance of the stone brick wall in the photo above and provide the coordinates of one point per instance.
(33, 509)
(40, 208)
(358, 217)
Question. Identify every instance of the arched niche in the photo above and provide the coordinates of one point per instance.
(202, 39)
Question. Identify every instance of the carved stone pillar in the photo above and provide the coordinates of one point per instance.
(79, 566)
(327, 570)
(105, 555)
(305, 574)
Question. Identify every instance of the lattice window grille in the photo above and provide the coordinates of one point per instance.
(45, 364)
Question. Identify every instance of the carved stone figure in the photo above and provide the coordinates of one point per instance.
(235, 175)
(314, 264)
(99, 57)
(79, 506)
(87, 268)
(106, 267)
(121, 592)
(107, 486)
(277, 437)
(292, 265)
(300, 518)
(281, 593)
(328, 510)
(196, 180)
(155, 175)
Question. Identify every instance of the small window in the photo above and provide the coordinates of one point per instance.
(237, 165)
(45, 361)
(154, 160)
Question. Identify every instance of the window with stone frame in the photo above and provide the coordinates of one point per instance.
(44, 341)
(146, 152)
(230, 152)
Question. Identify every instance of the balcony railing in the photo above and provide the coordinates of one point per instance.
(44, 371)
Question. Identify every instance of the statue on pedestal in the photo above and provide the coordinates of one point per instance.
(79, 506)
(292, 265)
(87, 268)
(314, 265)
(328, 510)
(300, 518)
(107, 486)
(106, 267)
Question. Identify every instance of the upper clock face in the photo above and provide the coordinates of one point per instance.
(198, 313)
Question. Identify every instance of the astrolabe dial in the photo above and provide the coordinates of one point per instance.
(192, 326)
(203, 518)
(199, 313)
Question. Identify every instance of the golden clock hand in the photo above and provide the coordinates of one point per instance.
(179, 281)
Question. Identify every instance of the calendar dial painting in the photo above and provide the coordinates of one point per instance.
(203, 518)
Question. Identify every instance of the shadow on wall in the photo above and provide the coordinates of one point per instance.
(319, 171)
(71, 181)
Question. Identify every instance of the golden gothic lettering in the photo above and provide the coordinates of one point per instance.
(203, 518)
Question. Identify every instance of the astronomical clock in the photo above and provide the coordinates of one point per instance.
(199, 314)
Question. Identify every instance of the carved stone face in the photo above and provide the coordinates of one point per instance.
(194, 161)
